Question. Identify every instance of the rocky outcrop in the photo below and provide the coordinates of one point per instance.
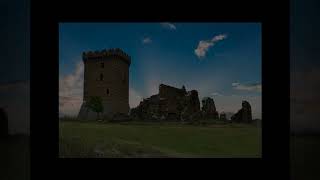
(209, 108)
(223, 116)
(244, 115)
(190, 106)
(170, 104)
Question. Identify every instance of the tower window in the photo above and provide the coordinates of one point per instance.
(108, 92)
(102, 65)
(101, 77)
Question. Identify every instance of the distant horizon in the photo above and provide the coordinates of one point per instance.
(219, 60)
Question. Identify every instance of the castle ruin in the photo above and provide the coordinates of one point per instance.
(169, 104)
(106, 75)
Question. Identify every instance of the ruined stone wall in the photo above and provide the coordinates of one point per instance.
(244, 115)
(170, 92)
(209, 108)
(171, 97)
(170, 104)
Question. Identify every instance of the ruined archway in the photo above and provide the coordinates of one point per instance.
(3, 123)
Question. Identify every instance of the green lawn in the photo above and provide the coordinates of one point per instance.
(93, 139)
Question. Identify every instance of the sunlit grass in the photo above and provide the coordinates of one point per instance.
(92, 139)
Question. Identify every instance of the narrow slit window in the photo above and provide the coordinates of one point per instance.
(101, 77)
(102, 65)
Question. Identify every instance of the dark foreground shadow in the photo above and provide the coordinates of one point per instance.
(15, 157)
(305, 157)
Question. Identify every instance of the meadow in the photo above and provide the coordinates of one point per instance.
(137, 139)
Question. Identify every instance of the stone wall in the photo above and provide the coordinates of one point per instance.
(209, 108)
(170, 104)
(244, 115)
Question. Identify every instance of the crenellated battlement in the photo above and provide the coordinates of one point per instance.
(114, 52)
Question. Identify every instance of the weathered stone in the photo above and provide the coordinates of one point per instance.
(190, 106)
(209, 108)
(106, 74)
(244, 115)
(196, 116)
(223, 116)
(170, 104)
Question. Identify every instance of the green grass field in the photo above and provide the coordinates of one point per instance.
(94, 139)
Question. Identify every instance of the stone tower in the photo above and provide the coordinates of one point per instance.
(106, 74)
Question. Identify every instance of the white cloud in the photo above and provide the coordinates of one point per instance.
(71, 91)
(146, 40)
(235, 84)
(204, 45)
(247, 87)
(168, 26)
(134, 98)
(216, 94)
(219, 38)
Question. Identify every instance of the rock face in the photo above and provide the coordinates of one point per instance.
(244, 115)
(209, 108)
(223, 116)
(170, 104)
(190, 106)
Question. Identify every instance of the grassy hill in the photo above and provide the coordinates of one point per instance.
(94, 139)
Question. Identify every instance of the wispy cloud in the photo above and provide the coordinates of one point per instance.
(247, 87)
(168, 26)
(204, 45)
(146, 40)
(71, 91)
(216, 94)
(134, 98)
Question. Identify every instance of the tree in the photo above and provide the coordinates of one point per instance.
(95, 104)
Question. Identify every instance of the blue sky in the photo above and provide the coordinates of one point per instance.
(220, 60)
